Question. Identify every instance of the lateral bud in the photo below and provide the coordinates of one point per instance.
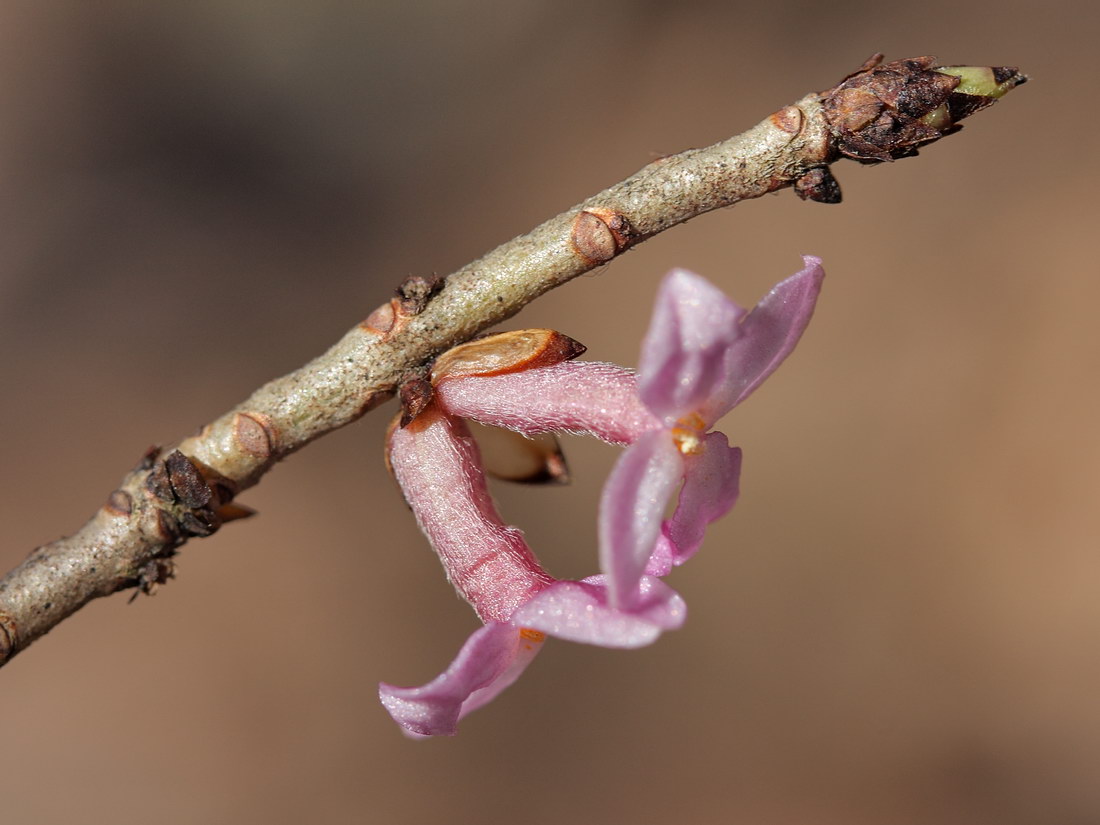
(511, 456)
(416, 394)
(506, 352)
(415, 292)
(819, 185)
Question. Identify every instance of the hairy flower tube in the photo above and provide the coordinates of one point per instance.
(438, 465)
(701, 356)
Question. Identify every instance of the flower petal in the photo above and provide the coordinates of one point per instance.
(661, 559)
(769, 333)
(576, 396)
(683, 353)
(582, 612)
(632, 508)
(711, 485)
(491, 660)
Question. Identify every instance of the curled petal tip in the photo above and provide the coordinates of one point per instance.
(811, 264)
(491, 660)
(693, 326)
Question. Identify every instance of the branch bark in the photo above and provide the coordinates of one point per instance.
(175, 493)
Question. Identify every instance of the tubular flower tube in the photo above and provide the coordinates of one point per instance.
(438, 465)
(701, 356)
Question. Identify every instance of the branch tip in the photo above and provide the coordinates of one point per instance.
(884, 112)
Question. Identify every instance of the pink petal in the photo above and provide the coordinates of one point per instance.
(491, 660)
(682, 360)
(574, 396)
(632, 508)
(437, 464)
(769, 333)
(581, 612)
(661, 559)
(711, 485)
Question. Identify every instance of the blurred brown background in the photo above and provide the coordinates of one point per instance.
(899, 622)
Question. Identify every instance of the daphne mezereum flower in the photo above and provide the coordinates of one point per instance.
(701, 356)
(438, 465)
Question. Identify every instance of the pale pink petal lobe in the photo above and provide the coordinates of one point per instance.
(632, 509)
(711, 486)
(769, 333)
(492, 658)
(581, 612)
(682, 359)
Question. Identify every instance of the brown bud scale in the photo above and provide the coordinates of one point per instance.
(201, 522)
(592, 239)
(506, 352)
(789, 119)
(187, 482)
(818, 185)
(234, 512)
(167, 527)
(875, 115)
(416, 394)
(158, 485)
(599, 234)
(381, 321)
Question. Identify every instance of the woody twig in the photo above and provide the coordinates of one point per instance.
(881, 112)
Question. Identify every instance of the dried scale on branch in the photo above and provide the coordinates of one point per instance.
(881, 112)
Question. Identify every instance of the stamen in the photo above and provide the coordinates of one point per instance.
(687, 436)
(529, 635)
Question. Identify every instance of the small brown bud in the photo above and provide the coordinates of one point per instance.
(415, 292)
(818, 185)
(599, 235)
(119, 503)
(381, 321)
(592, 239)
(789, 119)
(153, 574)
(513, 457)
(506, 352)
(187, 482)
(253, 434)
(416, 394)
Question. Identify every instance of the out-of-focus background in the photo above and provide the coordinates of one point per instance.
(898, 624)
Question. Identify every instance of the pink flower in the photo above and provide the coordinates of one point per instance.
(701, 356)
